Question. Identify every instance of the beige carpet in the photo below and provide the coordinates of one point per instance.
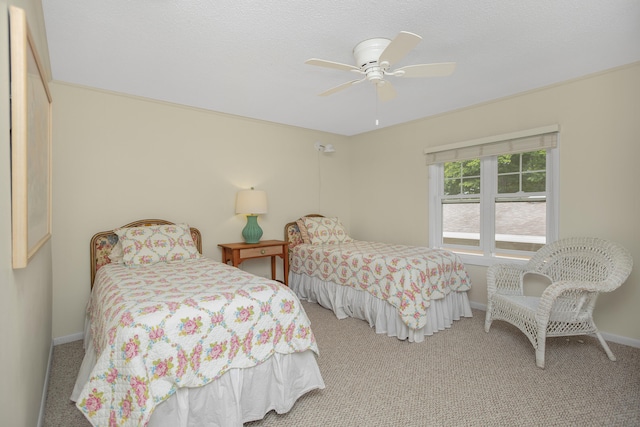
(458, 377)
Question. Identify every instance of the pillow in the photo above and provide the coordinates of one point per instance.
(293, 236)
(116, 253)
(304, 235)
(328, 231)
(156, 243)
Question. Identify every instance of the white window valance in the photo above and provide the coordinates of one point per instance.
(542, 138)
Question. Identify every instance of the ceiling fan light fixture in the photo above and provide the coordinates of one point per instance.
(375, 74)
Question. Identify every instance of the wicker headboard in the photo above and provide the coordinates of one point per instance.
(292, 232)
(102, 242)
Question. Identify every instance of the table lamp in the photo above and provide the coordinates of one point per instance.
(251, 202)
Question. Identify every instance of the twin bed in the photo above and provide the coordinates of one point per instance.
(176, 339)
(406, 292)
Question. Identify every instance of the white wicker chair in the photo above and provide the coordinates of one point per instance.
(579, 269)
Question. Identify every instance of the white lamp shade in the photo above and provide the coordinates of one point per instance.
(251, 202)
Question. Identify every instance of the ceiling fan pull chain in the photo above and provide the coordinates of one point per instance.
(377, 106)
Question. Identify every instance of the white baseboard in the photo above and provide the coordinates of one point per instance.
(45, 388)
(608, 337)
(621, 340)
(478, 306)
(68, 338)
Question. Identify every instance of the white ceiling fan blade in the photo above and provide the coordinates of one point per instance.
(339, 88)
(331, 64)
(385, 91)
(425, 70)
(399, 47)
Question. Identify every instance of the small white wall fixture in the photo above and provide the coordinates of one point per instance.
(324, 148)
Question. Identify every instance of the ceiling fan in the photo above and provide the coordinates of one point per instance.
(374, 57)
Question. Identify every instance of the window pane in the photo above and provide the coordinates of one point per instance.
(451, 187)
(462, 177)
(461, 223)
(534, 182)
(508, 183)
(522, 172)
(471, 167)
(521, 225)
(509, 163)
(452, 170)
(471, 185)
(534, 161)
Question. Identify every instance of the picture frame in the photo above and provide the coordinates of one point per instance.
(30, 144)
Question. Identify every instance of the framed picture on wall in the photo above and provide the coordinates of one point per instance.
(30, 144)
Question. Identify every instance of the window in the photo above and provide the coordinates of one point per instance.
(494, 198)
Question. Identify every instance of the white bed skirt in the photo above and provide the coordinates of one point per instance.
(239, 396)
(345, 301)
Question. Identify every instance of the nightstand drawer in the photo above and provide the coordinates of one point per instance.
(237, 253)
(258, 252)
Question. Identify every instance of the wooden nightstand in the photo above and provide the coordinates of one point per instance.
(236, 253)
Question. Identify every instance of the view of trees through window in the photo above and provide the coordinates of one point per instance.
(462, 177)
(520, 202)
(522, 172)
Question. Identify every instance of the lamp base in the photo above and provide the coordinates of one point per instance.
(252, 231)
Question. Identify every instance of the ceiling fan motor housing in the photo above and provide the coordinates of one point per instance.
(367, 53)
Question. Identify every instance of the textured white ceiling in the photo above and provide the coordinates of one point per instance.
(247, 57)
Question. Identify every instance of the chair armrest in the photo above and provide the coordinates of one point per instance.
(505, 279)
(570, 296)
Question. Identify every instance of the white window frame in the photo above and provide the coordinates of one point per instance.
(485, 254)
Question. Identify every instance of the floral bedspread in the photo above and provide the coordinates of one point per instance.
(407, 277)
(160, 327)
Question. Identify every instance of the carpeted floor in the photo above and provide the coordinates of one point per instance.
(458, 377)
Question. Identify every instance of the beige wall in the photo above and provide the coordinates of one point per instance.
(119, 159)
(599, 172)
(113, 140)
(25, 294)
(198, 160)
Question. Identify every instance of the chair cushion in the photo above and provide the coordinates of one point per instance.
(523, 302)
